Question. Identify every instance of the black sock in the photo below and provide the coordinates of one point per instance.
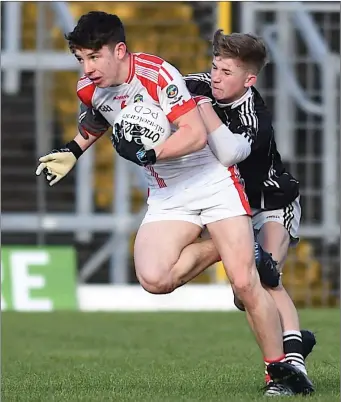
(293, 349)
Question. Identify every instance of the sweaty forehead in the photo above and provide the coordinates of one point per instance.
(227, 63)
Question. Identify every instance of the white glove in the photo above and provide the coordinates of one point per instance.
(59, 162)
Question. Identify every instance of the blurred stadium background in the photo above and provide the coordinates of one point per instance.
(97, 209)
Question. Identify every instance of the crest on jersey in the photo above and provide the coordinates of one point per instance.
(172, 91)
(138, 98)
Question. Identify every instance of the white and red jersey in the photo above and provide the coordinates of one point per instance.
(153, 80)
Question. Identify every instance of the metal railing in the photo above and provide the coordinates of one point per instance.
(279, 38)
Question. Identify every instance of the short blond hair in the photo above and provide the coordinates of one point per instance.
(247, 48)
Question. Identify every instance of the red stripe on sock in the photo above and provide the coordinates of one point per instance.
(268, 361)
(279, 359)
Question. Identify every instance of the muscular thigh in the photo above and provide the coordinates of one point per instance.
(158, 245)
(234, 240)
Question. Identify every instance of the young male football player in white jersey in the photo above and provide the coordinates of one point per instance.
(242, 116)
(189, 187)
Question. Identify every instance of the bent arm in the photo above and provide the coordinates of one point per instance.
(91, 126)
(228, 147)
(190, 137)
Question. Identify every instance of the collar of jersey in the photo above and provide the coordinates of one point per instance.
(237, 102)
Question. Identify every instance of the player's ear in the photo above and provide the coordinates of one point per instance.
(250, 80)
(120, 50)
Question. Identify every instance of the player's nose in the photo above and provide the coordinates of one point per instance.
(215, 78)
(88, 69)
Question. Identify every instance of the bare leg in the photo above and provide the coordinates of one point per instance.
(193, 260)
(275, 239)
(157, 248)
(234, 240)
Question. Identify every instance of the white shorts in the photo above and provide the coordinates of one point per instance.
(288, 216)
(198, 204)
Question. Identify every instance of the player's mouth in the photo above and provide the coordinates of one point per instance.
(96, 80)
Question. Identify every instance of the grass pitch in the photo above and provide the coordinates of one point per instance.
(150, 357)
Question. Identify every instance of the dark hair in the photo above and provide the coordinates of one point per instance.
(247, 48)
(95, 30)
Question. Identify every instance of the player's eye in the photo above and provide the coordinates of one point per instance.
(214, 67)
(94, 57)
(80, 61)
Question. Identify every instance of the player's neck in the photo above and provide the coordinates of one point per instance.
(125, 69)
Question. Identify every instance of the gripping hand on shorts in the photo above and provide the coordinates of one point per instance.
(58, 163)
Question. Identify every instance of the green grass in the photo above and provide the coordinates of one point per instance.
(151, 357)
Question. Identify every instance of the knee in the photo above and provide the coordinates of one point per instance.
(157, 287)
(156, 282)
(245, 284)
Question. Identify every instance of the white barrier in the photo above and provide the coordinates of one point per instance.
(135, 298)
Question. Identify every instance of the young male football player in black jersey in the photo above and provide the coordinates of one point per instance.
(229, 92)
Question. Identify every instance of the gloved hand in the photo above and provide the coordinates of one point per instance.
(132, 150)
(59, 162)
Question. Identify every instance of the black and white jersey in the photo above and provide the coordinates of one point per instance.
(268, 185)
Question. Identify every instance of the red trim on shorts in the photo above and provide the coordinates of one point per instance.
(240, 188)
(159, 179)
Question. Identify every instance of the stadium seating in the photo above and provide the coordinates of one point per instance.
(302, 274)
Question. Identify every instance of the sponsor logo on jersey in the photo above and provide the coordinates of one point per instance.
(138, 98)
(172, 91)
(120, 97)
(143, 120)
(105, 108)
(176, 100)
